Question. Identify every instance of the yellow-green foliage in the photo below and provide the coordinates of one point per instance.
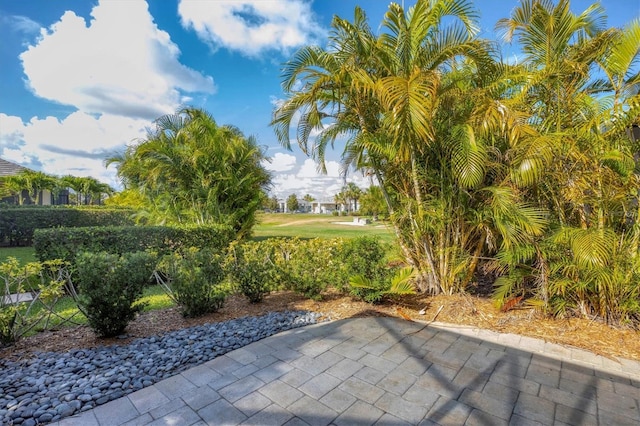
(194, 280)
(375, 290)
(45, 281)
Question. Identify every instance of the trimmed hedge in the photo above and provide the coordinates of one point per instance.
(308, 267)
(66, 243)
(17, 224)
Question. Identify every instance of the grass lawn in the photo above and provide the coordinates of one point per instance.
(67, 313)
(23, 254)
(309, 225)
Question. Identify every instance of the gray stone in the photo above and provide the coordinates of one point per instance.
(281, 393)
(155, 358)
(45, 418)
(312, 411)
(221, 412)
(64, 410)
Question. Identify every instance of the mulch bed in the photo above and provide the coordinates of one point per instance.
(457, 309)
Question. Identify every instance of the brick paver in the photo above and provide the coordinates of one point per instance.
(388, 371)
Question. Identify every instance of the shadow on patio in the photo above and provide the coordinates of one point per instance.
(378, 370)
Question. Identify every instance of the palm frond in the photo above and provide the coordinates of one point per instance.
(469, 157)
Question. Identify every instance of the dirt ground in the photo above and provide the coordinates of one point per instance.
(458, 309)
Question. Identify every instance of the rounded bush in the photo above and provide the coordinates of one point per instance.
(109, 286)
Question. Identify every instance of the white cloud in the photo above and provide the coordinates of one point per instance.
(309, 169)
(11, 129)
(281, 162)
(20, 24)
(75, 145)
(307, 180)
(119, 63)
(79, 143)
(275, 101)
(251, 27)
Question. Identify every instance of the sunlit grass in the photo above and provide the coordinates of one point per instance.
(274, 225)
(67, 314)
(156, 298)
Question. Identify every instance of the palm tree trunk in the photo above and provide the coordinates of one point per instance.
(416, 180)
(474, 263)
(391, 210)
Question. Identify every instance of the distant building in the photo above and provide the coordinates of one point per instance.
(324, 206)
(7, 168)
(320, 207)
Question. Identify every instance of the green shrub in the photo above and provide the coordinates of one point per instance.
(310, 266)
(45, 282)
(194, 280)
(375, 290)
(66, 243)
(305, 266)
(252, 269)
(18, 224)
(109, 286)
(362, 256)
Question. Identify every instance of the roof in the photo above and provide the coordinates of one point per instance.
(7, 168)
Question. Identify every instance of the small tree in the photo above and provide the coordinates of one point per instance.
(32, 182)
(340, 199)
(372, 202)
(15, 185)
(270, 203)
(352, 194)
(309, 199)
(74, 183)
(292, 203)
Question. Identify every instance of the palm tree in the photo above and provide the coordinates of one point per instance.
(94, 190)
(404, 101)
(76, 184)
(622, 79)
(352, 194)
(35, 183)
(589, 263)
(309, 199)
(190, 170)
(372, 202)
(15, 185)
(292, 203)
(340, 199)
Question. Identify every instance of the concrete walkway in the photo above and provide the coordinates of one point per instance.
(387, 371)
(16, 298)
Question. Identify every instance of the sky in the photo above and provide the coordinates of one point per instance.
(82, 79)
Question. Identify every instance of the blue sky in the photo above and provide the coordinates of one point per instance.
(80, 80)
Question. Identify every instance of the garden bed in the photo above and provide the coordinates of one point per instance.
(461, 310)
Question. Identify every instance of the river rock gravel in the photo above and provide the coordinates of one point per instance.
(55, 385)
